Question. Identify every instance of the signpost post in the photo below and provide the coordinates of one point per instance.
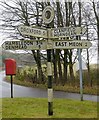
(48, 16)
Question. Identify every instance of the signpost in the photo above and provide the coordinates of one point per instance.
(49, 44)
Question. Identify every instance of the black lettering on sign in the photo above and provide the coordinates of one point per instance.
(70, 44)
(65, 43)
(15, 47)
(44, 33)
(67, 32)
(62, 34)
(79, 44)
(56, 44)
(7, 48)
(75, 44)
(22, 29)
(30, 30)
(62, 30)
(28, 43)
(60, 43)
(56, 32)
(5, 43)
(86, 44)
(72, 31)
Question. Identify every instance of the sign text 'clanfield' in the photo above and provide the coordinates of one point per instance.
(67, 31)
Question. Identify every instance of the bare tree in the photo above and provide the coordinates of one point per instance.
(96, 12)
(26, 13)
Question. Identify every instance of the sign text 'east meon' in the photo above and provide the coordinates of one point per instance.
(71, 44)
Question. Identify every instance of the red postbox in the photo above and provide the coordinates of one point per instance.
(10, 66)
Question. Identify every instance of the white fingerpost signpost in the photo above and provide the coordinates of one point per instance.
(48, 43)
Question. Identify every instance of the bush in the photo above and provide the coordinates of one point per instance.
(88, 77)
(30, 74)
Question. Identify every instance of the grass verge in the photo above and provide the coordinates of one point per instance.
(0, 109)
(37, 108)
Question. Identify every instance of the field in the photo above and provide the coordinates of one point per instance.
(37, 108)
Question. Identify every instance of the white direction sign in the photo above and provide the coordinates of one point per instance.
(31, 31)
(67, 31)
(82, 44)
(24, 45)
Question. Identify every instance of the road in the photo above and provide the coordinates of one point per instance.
(20, 91)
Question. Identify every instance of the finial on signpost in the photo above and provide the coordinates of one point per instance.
(48, 15)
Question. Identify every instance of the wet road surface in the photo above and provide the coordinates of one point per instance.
(20, 91)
